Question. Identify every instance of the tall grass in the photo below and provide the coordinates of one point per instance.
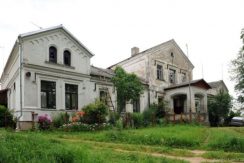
(39, 148)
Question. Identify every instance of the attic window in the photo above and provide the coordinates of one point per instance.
(67, 58)
(52, 54)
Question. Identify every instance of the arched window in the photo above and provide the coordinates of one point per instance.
(52, 54)
(67, 58)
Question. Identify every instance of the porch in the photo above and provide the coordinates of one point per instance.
(188, 102)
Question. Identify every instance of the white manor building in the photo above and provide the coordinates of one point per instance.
(49, 71)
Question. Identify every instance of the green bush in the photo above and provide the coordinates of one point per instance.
(119, 124)
(149, 116)
(6, 118)
(113, 117)
(78, 126)
(154, 114)
(137, 120)
(60, 119)
(95, 113)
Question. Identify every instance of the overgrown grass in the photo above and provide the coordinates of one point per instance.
(34, 147)
(224, 155)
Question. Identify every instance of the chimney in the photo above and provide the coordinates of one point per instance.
(134, 51)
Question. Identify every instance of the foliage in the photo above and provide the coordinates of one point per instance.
(6, 118)
(128, 87)
(60, 119)
(238, 71)
(78, 126)
(44, 122)
(155, 113)
(46, 147)
(113, 117)
(219, 107)
(32, 148)
(78, 116)
(137, 120)
(95, 113)
(231, 115)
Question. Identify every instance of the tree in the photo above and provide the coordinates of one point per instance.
(128, 87)
(219, 107)
(237, 72)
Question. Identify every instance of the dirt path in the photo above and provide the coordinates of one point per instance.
(197, 158)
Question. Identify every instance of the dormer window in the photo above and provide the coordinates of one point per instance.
(52, 54)
(67, 58)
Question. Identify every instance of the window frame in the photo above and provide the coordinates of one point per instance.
(49, 92)
(159, 72)
(64, 58)
(55, 58)
(174, 72)
(70, 94)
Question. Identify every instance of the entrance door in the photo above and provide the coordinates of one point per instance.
(179, 102)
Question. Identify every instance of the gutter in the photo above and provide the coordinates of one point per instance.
(20, 72)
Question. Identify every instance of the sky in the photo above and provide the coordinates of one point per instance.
(110, 28)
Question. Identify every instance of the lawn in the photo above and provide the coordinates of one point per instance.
(171, 143)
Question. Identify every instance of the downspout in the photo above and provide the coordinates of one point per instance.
(20, 80)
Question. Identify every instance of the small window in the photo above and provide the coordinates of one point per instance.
(172, 76)
(183, 77)
(52, 54)
(159, 72)
(104, 96)
(48, 94)
(67, 58)
(71, 97)
(136, 105)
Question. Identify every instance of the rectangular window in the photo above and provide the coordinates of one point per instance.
(104, 96)
(136, 106)
(71, 97)
(159, 72)
(172, 76)
(48, 94)
(183, 77)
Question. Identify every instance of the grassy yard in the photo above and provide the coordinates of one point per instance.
(172, 143)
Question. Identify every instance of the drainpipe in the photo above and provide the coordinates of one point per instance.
(20, 80)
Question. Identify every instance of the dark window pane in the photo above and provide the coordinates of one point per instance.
(52, 54)
(71, 96)
(172, 76)
(159, 72)
(67, 58)
(48, 94)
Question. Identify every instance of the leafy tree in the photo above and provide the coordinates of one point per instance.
(238, 72)
(128, 87)
(219, 107)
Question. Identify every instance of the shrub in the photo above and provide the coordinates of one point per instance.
(154, 113)
(119, 124)
(6, 118)
(60, 119)
(78, 116)
(137, 120)
(44, 122)
(95, 113)
(149, 115)
(113, 117)
(78, 126)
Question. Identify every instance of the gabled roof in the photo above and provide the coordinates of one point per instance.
(172, 41)
(216, 84)
(55, 28)
(198, 83)
(102, 72)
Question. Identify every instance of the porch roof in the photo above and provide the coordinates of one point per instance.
(201, 83)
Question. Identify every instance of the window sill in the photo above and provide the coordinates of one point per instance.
(60, 65)
(161, 80)
(52, 109)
